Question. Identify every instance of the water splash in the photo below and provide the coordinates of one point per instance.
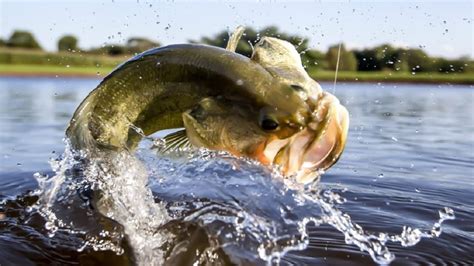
(106, 198)
(373, 243)
(247, 211)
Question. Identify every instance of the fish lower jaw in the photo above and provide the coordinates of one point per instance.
(308, 153)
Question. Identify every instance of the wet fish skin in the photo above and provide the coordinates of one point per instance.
(221, 98)
(323, 139)
(219, 124)
(152, 90)
(229, 126)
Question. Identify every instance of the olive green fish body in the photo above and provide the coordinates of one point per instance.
(152, 90)
(265, 107)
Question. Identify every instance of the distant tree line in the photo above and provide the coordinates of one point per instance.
(69, 43)
(388, 57)
(21, 39)
(382, 57)
(379, 58)
(134, 45)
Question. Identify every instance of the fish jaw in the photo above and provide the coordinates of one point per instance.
(325, 151)
(315, 148)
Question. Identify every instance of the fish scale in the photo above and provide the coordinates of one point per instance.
(248, 103)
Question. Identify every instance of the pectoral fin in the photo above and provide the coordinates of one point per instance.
(176, 140)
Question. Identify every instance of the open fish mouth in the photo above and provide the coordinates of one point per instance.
(315, 148)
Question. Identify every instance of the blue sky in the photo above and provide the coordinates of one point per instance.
(442, 28)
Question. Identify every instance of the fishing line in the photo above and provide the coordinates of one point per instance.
(337, 68)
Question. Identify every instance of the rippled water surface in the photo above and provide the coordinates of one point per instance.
(408, 161)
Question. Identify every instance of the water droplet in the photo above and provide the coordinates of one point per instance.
(395, 139)
(381, 175)
(436, 230)
(417, 190)
(447, 214)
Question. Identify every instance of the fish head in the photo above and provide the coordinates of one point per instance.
(315, 147)
(295, 94)
(297, 126)
(322, 135)
(243, 130)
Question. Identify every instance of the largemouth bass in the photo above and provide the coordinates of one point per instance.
(267, 106)
(219, 124)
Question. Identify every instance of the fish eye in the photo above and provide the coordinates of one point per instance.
(196, 111)
(269, 124)
(297, 87)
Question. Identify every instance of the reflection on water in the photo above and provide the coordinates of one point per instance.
(409, 154)
(34, 113)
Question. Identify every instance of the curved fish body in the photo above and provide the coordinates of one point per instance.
(152, 90)
(266, 108)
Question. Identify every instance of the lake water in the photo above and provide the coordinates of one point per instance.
(409, 154)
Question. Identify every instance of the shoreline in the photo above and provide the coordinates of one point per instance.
(40, 71)
(50, 75)
(340, 80)
(100, 77)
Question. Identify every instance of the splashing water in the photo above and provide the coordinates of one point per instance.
(116, 187)
(202, 205)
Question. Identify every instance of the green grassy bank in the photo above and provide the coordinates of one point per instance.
(52, 71)
(19, 62)
(319, 75)
(23, 62)
(387, 76)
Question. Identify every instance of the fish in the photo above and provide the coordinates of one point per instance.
(221, 125)
(265, 107)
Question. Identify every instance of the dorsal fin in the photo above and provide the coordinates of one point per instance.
(176, 140)
(235, 38)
